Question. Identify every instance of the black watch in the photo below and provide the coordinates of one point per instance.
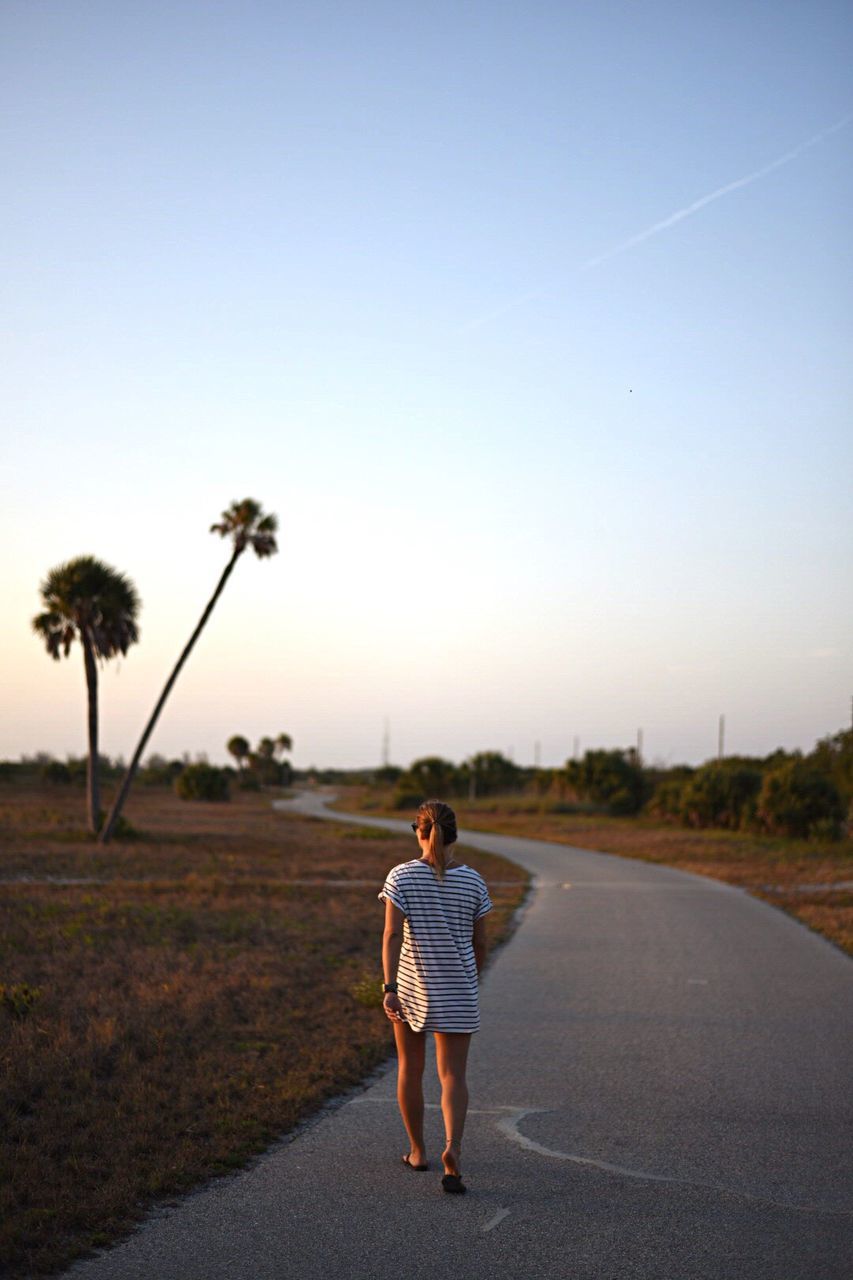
(389, 986)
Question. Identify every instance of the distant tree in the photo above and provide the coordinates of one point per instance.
(202, 781)
(238, 747)
(387, 774)
(798, 800)
(87, 600)
(833, 756)
(264, 767)
(491, 774)
(612, 778)
(721, 794)
(246, 525)
(432, 776)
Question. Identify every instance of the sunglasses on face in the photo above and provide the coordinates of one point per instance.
(415, 828)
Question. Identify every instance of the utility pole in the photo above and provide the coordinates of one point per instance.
(639, 746)
(575, 748)
(386, 745)
(721, 734)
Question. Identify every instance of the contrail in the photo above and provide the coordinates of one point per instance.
(690, 209)
(665, 223)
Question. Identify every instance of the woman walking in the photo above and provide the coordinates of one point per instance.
(433, 950)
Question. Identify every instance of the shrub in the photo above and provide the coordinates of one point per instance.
(248, 781)
(430, 777)
(202, 782)
(719, 795)
(611, 778)
(668, 800)
(56, 771)
(19, 999)
(491, 774)
(799, 800)
(405, 798)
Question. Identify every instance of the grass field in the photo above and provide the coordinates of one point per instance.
(167, 1020)
(806, 878)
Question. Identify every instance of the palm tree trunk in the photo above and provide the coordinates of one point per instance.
(130, 773)
(92, 773)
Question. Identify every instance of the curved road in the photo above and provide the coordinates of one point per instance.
(661, 1089)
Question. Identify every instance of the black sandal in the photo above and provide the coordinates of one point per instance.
(419, 1168)
(453, 1182)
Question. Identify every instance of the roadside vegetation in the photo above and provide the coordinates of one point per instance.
(173, 1003)
(778, 826)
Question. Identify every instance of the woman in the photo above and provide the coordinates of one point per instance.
(433, 950)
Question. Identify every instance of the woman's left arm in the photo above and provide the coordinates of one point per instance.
(392, 942)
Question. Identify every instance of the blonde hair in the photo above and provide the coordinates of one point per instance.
(437, 824)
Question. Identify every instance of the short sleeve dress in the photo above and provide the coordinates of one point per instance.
(437, 977)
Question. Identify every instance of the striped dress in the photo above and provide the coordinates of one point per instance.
(437, 977)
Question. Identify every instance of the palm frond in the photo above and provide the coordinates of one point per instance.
(246, 524)
(85, 594)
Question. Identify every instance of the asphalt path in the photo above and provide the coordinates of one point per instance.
(661, 1088)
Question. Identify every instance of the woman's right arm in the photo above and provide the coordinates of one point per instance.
(479, 941)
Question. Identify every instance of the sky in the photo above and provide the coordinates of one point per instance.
(531, 323)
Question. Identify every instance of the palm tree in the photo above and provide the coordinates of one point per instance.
(284, 743)
(247, 526)
(238, 747)
(88, 600)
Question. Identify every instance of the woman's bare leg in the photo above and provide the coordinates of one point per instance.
(411, 1050)
(451, 1059)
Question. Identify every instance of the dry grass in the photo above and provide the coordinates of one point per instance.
(778, 870)
(166, 1025)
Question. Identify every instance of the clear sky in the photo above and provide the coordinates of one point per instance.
(532, 323)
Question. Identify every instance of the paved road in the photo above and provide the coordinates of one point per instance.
(660, 1089)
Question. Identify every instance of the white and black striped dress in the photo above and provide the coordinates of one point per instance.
(437, 976)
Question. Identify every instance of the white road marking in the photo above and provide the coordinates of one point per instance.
(493, 1222)
(508, 1125)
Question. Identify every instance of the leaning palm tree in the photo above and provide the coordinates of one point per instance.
(88, 600)
(247, 526)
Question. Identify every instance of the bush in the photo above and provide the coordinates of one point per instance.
(56, 771)
(667, 802)
(248, 781)
(720, 795)
(431, 777)
(611, 778)
(19, 999)
(202, 782)
(488, 773)
(799, 800)
(405, 798)
(160, 772)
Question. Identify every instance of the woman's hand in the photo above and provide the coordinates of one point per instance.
(393, 1008)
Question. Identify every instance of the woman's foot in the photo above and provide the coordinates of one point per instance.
(450, 1160)
(416, 1159)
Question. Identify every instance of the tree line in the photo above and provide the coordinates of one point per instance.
(785, 793)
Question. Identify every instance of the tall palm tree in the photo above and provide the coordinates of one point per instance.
(284, 743)
(247, 526)
(89, 601)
